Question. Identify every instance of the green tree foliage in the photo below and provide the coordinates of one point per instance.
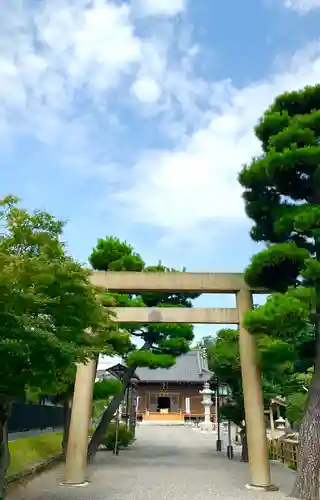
(224, 361)
(47, 310)
(153, 345)
(295, 407)
(297, 399)
(279, 359)
(286, 318)
(60, 392)
(282, 197)
(111, 254)
(104, 389)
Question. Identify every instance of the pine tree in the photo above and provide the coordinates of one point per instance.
(158, 345)
(282, 197)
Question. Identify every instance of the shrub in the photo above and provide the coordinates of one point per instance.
(125, 436)
(292, 466)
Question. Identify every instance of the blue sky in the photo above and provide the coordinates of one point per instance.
(133, 118)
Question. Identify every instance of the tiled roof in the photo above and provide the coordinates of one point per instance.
(103, 374)
(115, 371)
(190, 367)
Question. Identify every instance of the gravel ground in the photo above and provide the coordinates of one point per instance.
(176, 463)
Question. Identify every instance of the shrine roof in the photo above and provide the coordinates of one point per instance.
(114, 371)
(190, 367)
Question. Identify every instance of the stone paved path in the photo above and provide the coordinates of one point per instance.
(176, 463)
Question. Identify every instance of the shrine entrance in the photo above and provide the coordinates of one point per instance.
(137, 282)
(164, 404)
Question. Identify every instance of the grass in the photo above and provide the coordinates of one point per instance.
(29, 451)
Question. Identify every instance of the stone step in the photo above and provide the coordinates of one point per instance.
(161, 422)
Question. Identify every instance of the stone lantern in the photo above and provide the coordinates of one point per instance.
(280, 423)
(207, 402)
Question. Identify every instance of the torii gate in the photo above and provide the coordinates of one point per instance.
(136, 282)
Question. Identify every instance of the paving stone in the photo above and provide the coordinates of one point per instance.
(166, 462)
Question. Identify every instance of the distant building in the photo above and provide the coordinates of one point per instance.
(102, 375)
(173, 393)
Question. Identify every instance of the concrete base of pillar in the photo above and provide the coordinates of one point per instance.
(218, 445)
(230, 452)
(76, 485)
(255, 487)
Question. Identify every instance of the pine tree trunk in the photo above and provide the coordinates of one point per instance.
(108, 414)
(244, 443)
(4, 446)
(307, 481)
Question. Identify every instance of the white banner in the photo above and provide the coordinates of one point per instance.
(188, 406)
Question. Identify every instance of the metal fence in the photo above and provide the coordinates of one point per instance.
(25, 417)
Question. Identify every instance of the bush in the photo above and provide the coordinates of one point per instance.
(125, 437)
(292, 466)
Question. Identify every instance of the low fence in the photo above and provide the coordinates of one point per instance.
(179, 415)
(26, 417)
(285, 451)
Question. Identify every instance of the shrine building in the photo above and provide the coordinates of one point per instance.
(173, 394)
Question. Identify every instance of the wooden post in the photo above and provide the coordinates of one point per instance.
(271, 420)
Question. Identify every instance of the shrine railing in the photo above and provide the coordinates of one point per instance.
(180, 415)
(285, 451)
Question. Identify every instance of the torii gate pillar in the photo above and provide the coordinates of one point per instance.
(253, 401)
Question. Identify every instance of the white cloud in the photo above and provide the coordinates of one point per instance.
(58, 56)
(167, 8)
(106, 362)
(302, 6)
(146, 90)
(197, 182)
(60, 62)
(52, 53)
